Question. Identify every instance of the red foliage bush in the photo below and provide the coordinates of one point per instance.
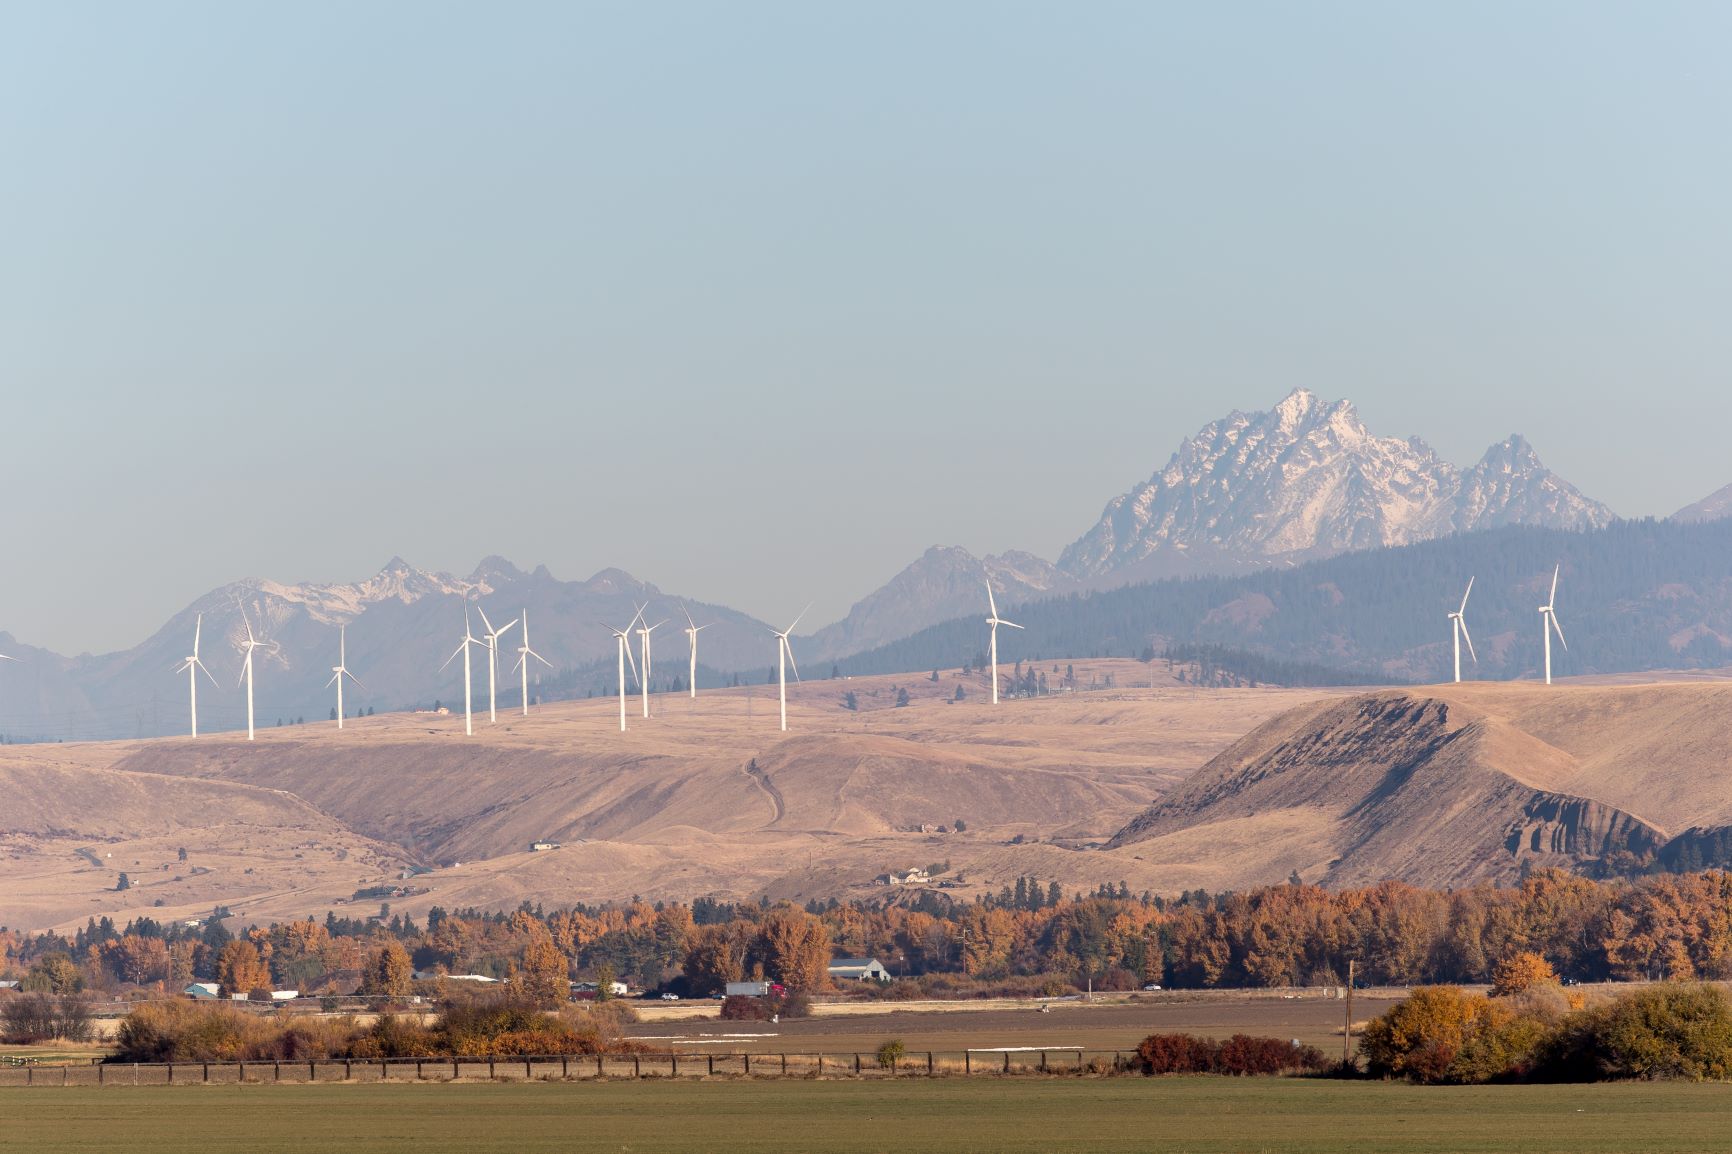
(1240, 1055)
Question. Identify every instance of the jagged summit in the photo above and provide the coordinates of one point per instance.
(1307, 479)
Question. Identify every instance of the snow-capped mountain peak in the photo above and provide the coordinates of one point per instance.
(1307, 479)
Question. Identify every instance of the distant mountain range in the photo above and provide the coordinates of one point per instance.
(1259, 493)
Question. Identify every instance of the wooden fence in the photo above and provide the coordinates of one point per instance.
(575, 1067)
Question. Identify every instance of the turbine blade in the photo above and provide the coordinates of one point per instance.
(208, 674)
(1462, 621)
(1464, 596)
(629, 657)
(792, 664)
(1553, 618)
(333, 680)
(355, 679)
(461, 646)
(506, 627)
(485, 624)
(1553, 599)
(990, 603)
(1012, 624)
(803, 612)
(539, 658)
(197, 628)
(688, 614)
(245, 665)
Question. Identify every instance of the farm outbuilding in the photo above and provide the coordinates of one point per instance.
(858, 970)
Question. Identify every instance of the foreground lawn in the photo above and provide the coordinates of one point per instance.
(1189, 1114)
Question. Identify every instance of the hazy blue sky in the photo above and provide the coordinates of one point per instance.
(759, 300)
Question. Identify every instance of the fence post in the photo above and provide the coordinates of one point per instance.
(384, 1071)
(856, 1063)
(598, 1066)
(820, 1064)
(30, 1074)
(748, 1059)
(784, 1065)
(348, 1070)
(675, 1059)
(453, 1067)
(417, 1069)
(276, 1071)
(207, 1071)
(565, 1065)
(241, 1068)
(636, 1066)
(526, 1072)
(1043, 1061)
(712, 1062)
(312, 1071)
(929, 1062)
(967, 1062)
(100, 1079)
(135, 1073)
(1007, 1061)
(490, 1065)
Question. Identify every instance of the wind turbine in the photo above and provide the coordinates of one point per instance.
(252, 643)
(785, 658)
(469, 639)
(1458, 631)
(644, 631)
(524, 653)
(692, 630)
(492, 643)
(341, 670)
(191, 667)
(995, 621)
(624, 638)
(1549, 623)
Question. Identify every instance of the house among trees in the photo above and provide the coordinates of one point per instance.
(913, 877)
(858, 970)
(203, 991)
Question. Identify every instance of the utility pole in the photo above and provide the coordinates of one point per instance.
(1347, 1033)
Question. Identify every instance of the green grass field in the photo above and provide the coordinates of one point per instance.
(916, 1115)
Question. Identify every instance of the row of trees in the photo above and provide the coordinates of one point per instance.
(1666, 926)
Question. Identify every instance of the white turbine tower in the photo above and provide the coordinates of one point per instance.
(341, 670)
(643, 632)
(191, 667)
(1458, 631)
(493, 635)
(785, 658)
(692, 630)
(995, 621)
(252, 643)
(1549, 623)
(624, 638)
(469, 639)
(524, 653)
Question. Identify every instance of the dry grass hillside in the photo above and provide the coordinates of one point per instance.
(1449, 785)
(707, 797)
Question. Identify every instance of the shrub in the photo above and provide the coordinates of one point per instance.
(1241, 1055)
(1673, 1030)
(1176, 1054)
(737, 1008)
(1442, 1034)
(891, 1052)
(1519, 971)
(27, 1019)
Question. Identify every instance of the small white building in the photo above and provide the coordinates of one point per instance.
(858, 970)
(913, 877)
(203, 991)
